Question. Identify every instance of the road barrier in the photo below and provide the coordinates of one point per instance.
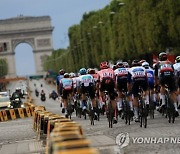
(12, 114)
(60, 134)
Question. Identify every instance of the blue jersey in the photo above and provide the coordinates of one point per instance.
(150, 75)
(59, 77)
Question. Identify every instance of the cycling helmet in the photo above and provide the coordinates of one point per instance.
(61, 72)
(163, 56)
(135, 63)
(104, 65)
(119, 65)
(125, 64)
(145, 65)
(82, 71)
(72, 75)
(91, 71)
(66, 75)
(177, 59)
(142, 61)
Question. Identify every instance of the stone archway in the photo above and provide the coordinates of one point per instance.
(35, 31)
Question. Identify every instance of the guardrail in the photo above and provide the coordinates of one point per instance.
(60, 135)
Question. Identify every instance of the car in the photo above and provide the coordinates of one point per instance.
(4, 93)
(4, 101)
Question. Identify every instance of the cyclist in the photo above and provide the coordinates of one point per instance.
(66, 89)
(74, 78)
(137, 79)
(150, 79)
(58, 78)
(164, 74)
(86, 84)
(93, 73)
(106, 82)
(177, 74)
(121, 74)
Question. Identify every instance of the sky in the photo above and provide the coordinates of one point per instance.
(63, 13)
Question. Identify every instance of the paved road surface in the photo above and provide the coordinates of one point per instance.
(19, 132)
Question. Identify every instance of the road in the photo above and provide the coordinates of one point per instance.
(101, 136)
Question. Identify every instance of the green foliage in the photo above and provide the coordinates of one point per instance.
(139, 27)
(3, 67)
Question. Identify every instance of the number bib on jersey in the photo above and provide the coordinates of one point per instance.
(166, 69)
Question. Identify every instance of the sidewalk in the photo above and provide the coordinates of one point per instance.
(23, 147)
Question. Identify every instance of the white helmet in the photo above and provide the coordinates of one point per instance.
(145, 64)
(72, 75)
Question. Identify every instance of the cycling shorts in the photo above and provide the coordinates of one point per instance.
(66, 93)
(108, 84)
(169, 81)
(122, 84)
(89, 89)
(137, 84)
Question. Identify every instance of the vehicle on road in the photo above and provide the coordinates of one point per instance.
(53, 95)
(4, 101)
(43, 97)
(4, 94)
(16, 103)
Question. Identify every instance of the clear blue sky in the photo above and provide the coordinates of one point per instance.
(63, 13)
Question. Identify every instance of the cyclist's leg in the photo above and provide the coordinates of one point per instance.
(64, 99)
(91, 91)
(172, 87)
(119, 101)
(162, 91)
(83, 97)
(113, 95)
(120, 86)
(135, 88)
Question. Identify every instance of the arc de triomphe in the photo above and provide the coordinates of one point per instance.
(35, 31)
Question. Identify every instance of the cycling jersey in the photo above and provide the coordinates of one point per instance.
(177, 69)
(136, 73)
(85, 80)
(164, 68)
(106, 73)
(74, 82)
(86, 85)
(121, 73)
(138, 77)
(59, 77)
(150, 77)
(66, 83)
(177, 73)
(121, 78)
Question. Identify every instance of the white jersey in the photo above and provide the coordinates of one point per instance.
(137, 72)
(177, 69)
(85, 80)
(121, 72)
(75, 82)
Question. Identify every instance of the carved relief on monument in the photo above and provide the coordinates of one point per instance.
(43, 42)
(26, 40)
(43, 59)
(4, 46)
